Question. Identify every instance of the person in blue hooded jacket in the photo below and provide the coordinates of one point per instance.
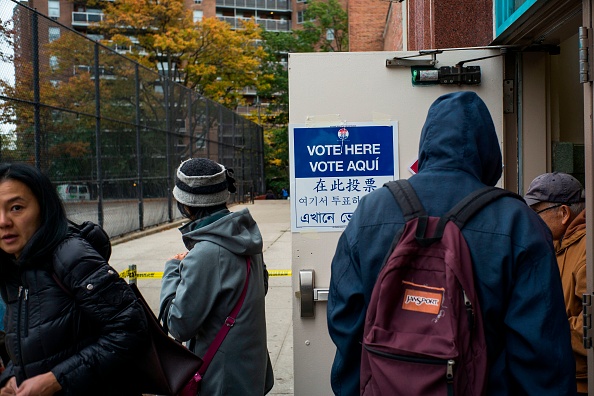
(516, 275)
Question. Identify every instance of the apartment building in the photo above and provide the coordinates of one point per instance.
(271, 15)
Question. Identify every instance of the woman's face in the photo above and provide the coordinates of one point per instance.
(20, 216)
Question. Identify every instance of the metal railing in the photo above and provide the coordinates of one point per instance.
(273, 5)
(271, 25)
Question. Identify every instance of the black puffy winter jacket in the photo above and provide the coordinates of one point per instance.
(85, 330)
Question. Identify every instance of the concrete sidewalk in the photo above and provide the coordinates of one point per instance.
(149, 251)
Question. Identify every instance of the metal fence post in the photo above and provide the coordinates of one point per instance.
(191, 123)
(132, 279)
(36, 93)
(168, 147)
(219, 133)
(139, 187)
(206, 126)
(260, 130)
(98, 137)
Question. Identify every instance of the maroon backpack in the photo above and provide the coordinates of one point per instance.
(423, 331)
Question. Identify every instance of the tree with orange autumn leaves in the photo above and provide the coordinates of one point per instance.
(67, 116)
(207, 56)
(55, 144)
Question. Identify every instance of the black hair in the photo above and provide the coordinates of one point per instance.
(54, 223)
(199, 212)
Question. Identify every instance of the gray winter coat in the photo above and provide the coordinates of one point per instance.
(206, 285)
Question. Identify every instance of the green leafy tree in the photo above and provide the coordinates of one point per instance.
(326, 22)
(321, 17)
(275, 116)
(277, 45)
(276, 157)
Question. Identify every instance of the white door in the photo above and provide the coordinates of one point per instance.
(330, 89)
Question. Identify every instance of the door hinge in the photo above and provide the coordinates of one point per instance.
(587, 316)
(585, 54)
(509, 96)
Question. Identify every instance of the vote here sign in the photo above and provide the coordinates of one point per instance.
(333, 167)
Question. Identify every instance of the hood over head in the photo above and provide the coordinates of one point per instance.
(459, 134)
(236, 232)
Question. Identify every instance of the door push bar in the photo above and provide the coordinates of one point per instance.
(308, 294)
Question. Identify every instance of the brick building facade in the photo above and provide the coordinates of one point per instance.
(380, 25)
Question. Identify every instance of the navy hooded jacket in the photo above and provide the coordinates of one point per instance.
(516, 273)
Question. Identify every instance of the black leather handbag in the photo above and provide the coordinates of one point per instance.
(167, 366)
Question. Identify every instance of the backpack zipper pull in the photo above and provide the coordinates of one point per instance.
(469, 310)
(450, 377)
(450, 370)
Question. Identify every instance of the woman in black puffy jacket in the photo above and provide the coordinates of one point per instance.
(73, 326)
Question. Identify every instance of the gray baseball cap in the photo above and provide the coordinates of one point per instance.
(556, 187)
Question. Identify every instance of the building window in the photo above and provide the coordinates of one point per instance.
(53, 62)
(197, 14)
(95, 37)
(509, 11)
(53, 9)
(163, 68)
(53, 33)
(197, 1)
(300, 16)
(330, 34)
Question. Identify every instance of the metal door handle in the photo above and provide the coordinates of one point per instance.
(308, 294)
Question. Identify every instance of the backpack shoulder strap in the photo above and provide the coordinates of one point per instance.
(471, 205)
(412, 208)
(406, 198)
(475, 201)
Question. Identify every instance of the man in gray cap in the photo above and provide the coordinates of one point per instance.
(559, 200)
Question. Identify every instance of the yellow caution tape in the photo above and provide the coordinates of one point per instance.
(272, 272)
(158, 275)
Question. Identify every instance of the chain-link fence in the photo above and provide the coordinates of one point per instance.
(109, 132)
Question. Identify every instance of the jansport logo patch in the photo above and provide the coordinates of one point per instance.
(420, 301)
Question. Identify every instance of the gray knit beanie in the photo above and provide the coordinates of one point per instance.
(201, 182)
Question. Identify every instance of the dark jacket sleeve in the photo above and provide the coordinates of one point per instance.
(6, 374)
(108, 304)
(524, 316)
(346, 317)
(537, 358)
(266, 276)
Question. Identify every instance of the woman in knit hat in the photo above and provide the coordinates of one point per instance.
(201, 287)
